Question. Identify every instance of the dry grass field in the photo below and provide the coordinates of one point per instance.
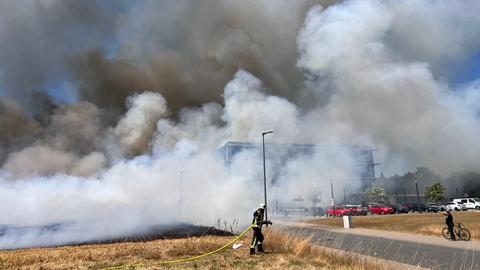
(426, 223)
(283, 252)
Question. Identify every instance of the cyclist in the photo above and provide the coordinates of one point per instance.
(450, 224)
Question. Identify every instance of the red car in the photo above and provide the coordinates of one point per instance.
(339, 211)
(357, 210)
(380, 209)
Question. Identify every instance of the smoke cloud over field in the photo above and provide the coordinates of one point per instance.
(110, 112)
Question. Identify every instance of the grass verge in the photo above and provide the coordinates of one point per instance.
(425, 223)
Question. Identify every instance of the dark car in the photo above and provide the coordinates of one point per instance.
(416, 207)
(399, 208)
(431, 207)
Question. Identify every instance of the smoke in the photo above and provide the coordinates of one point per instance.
(74, 127)
(181, 181)
(389, 95)
(37, 36)
(72, 133)
(137, 98)
(89, 164)
(16, 127)
(38, 160)
(135, 129)
(250, 112)
(201, 128)
(189, 51)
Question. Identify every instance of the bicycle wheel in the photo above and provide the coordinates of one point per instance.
(446, 233)
(464, 234)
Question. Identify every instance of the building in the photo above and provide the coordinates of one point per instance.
(363, 155)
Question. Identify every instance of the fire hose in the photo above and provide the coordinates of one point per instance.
(184, 259)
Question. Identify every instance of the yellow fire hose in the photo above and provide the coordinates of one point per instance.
(185, 259)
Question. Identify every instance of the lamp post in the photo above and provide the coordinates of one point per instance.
(418, 198)
(333, 198)
(265, 173)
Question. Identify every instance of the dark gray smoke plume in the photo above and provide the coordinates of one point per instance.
(189, 50)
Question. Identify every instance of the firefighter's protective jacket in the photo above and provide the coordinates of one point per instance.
(258, 219)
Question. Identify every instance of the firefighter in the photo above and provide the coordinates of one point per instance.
(257, 241)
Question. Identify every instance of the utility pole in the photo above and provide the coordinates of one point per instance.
(276, 201)
(456, 189)
(344, 197)
(333, 198)
(265, 175)
(404, 195)
(418, 198)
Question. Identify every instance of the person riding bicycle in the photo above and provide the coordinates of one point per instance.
(450, 224)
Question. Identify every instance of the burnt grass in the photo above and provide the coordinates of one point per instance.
(150, 233)
(167, 232)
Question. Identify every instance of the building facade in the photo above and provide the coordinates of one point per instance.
(362, 155)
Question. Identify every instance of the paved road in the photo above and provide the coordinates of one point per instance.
(408, 252)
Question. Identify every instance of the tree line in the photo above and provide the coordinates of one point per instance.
(434, 186)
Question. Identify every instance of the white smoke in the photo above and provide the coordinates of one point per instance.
(135, 130)
(388, 95)
(89, 164)
(199, 126)
(249, 112)
(38, 160)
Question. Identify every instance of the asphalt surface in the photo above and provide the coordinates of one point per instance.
(407, 252)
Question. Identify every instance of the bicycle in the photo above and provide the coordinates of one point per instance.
(462, 233)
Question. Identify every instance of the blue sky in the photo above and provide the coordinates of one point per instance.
(470, 71)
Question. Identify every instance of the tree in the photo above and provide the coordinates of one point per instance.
(436, 192)
(375, 191)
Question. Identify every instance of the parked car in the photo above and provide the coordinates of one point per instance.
(470, 203)
(380, 209)
(418, 207)
(407, 206)
(453, 206)
(397, 208)
(431, 207)
(339, 211)
(357, 209)
(415, 207)
(400, 209)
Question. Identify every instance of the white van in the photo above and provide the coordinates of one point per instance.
(470, 203)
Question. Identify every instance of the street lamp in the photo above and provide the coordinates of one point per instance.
(265, 173)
